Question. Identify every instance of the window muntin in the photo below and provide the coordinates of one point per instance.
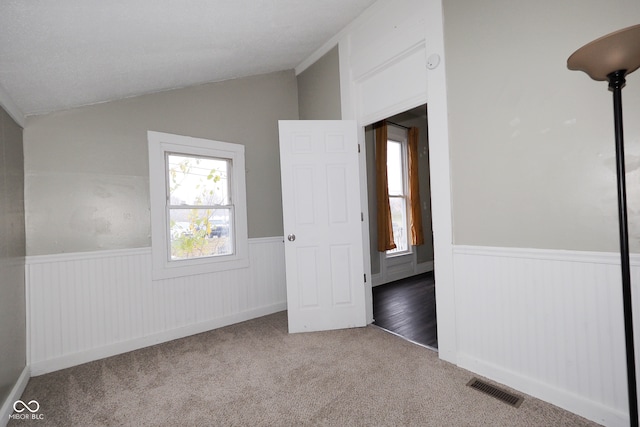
(198, 205)
(397, 176)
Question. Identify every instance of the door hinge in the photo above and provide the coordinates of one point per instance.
(361, 216)
(358, 148)
(365, 277)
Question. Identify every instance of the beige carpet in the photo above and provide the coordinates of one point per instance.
(256, 374)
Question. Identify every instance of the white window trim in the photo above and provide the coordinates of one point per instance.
(161, 143)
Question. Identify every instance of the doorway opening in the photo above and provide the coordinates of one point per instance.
(403, 281)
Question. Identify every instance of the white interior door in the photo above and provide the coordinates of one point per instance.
(322, 225)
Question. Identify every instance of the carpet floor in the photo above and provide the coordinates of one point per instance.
(256, 374)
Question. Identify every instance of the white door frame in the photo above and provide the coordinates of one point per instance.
(436, 100)
(440, 173)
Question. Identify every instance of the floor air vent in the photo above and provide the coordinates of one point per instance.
(502, 395)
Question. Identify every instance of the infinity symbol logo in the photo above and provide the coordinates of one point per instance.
(26, 406)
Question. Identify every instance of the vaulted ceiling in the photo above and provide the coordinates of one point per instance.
(66, 53)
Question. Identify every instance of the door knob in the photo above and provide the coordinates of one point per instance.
(291, 237)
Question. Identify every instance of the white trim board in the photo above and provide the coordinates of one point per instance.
(78, 256)
(571, 402)
(611, 258)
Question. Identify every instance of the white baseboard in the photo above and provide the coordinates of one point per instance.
(424, 267)
(589, 409)
(51, 365)
(16, 392)
(376, 279)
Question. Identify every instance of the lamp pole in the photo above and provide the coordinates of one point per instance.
(611, 58)
(616, 83)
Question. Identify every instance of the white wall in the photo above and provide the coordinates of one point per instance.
(382, 60)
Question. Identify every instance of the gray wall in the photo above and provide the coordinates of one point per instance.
(319, 89)
(531, 142)
(12, 253)
(369, 137)
(87, 171)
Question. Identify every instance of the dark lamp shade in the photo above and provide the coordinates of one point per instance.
(617, 51)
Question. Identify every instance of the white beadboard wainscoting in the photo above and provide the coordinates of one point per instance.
(86, 306)
(548, 323)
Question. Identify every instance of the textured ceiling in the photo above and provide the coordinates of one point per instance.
(61, 54)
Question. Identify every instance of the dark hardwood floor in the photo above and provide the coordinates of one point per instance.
(408, 308)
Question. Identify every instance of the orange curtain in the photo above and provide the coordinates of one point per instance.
(385, 227)
(417, 233)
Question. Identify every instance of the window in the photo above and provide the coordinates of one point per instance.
(199, 209)
(198, 206)
(397, 176)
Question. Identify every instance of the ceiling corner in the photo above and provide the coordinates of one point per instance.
(11, 108)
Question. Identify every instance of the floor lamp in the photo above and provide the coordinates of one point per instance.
(611, 58)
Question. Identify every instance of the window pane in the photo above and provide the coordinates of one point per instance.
(197, 233)
(394, 167)
(399, 222)
(197, 181)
